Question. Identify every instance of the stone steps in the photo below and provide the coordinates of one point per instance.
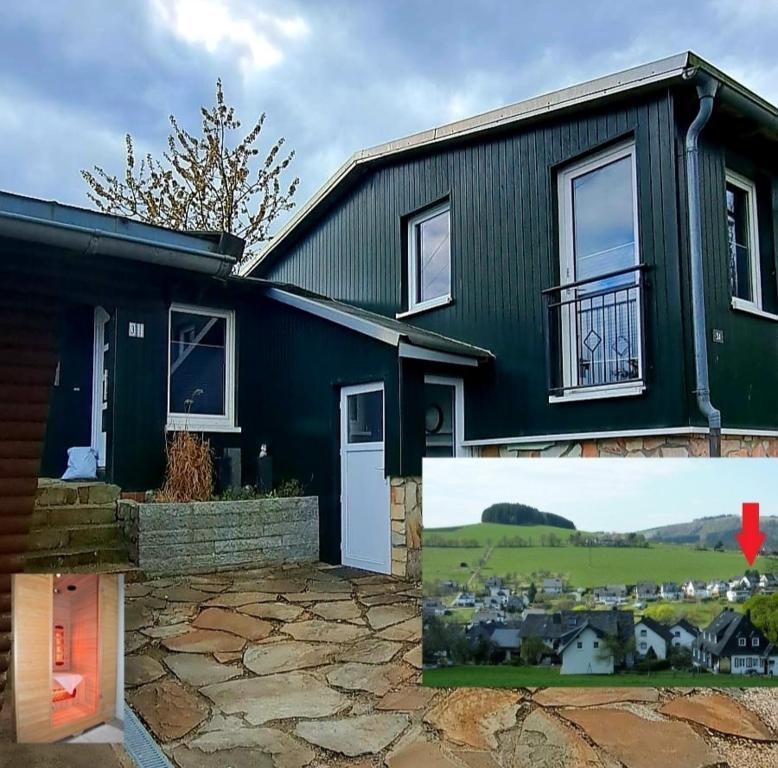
(65, 559)
(74, 525)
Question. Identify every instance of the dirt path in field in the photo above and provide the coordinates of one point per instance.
(477, 571)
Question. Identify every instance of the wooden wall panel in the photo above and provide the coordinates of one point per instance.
(32, 611)
(85, 640)
(109, 644)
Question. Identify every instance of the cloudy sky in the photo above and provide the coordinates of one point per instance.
(599, 494)
(333, 76)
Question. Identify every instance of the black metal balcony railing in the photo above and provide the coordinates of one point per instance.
(594, 331)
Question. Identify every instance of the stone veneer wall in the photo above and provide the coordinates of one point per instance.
(220, 535)
(405, 509)
(668, 446)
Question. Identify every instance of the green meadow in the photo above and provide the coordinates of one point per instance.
(580, 566)
(520, 677)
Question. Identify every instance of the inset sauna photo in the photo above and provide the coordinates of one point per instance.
(67, 658)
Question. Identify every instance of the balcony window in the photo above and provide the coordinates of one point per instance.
(594, 315)
(743, 241)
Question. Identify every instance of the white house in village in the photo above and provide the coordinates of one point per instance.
(697, 590)
(582, 653)
(683, 634)
(669, 590)
(646, 590)
(465, 600)
(552, 586)
(717, 588)
(768, 583)
(651, 638)
(738, 594)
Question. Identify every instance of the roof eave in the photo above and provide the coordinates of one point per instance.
(672, 67)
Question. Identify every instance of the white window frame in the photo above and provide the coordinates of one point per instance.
(742, 642)
(412, 261)
(747, 185)
(200, 422)
(567, 267)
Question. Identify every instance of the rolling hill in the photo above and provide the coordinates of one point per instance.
(442, 559)
(522, 514)
(708, 531)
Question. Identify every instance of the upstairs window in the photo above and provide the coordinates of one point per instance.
(743, 241)
(741, 641)
(596, 311)
(429, 258)
(201, 369)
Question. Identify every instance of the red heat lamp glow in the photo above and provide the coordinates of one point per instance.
(59, 645)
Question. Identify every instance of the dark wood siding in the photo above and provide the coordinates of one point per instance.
(744, 368)
(504, 253)
(296, 365)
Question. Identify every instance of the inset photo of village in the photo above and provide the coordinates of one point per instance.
(600, 572)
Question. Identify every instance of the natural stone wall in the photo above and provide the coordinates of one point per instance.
(668, 446)
(220, 535)
(405, 505)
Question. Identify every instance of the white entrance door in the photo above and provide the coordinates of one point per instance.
(99, 384)
(364, 501)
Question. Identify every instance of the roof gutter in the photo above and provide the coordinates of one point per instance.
(706, 93)
(92, 241)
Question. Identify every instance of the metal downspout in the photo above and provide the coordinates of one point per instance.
(706, 92)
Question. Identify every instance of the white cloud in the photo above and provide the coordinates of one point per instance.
(259, 38)
(597, 494)
(44, 146)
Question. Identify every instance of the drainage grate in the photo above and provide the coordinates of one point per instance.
(139, 743)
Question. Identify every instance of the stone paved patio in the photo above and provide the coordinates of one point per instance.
(317, 666)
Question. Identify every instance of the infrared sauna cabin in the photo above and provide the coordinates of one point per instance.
(65, 653)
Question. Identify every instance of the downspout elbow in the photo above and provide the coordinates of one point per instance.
(706, 92)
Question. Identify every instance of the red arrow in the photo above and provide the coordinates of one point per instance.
(749, 536)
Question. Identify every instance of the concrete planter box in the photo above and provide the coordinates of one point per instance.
(200, 537)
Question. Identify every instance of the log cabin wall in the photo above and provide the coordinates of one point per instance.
(27, 368)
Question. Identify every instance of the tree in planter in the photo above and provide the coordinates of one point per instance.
(444, 640)
(617, 647)
(214, 181)
(532, 650)
(680, 658)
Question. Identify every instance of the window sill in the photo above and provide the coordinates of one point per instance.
(443, 301)
(599, 393)
(746, 306)
(175, 424)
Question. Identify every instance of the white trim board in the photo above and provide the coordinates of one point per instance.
(369, 328)
(335, 315)
(569, 437)
(414, 352)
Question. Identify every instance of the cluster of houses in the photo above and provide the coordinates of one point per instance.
(497, 599)
(736, 590)
(493, 604)
(581, 642)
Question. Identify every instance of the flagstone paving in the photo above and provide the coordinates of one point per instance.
(313, 666)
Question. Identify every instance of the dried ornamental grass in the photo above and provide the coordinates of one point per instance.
(189, 474)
